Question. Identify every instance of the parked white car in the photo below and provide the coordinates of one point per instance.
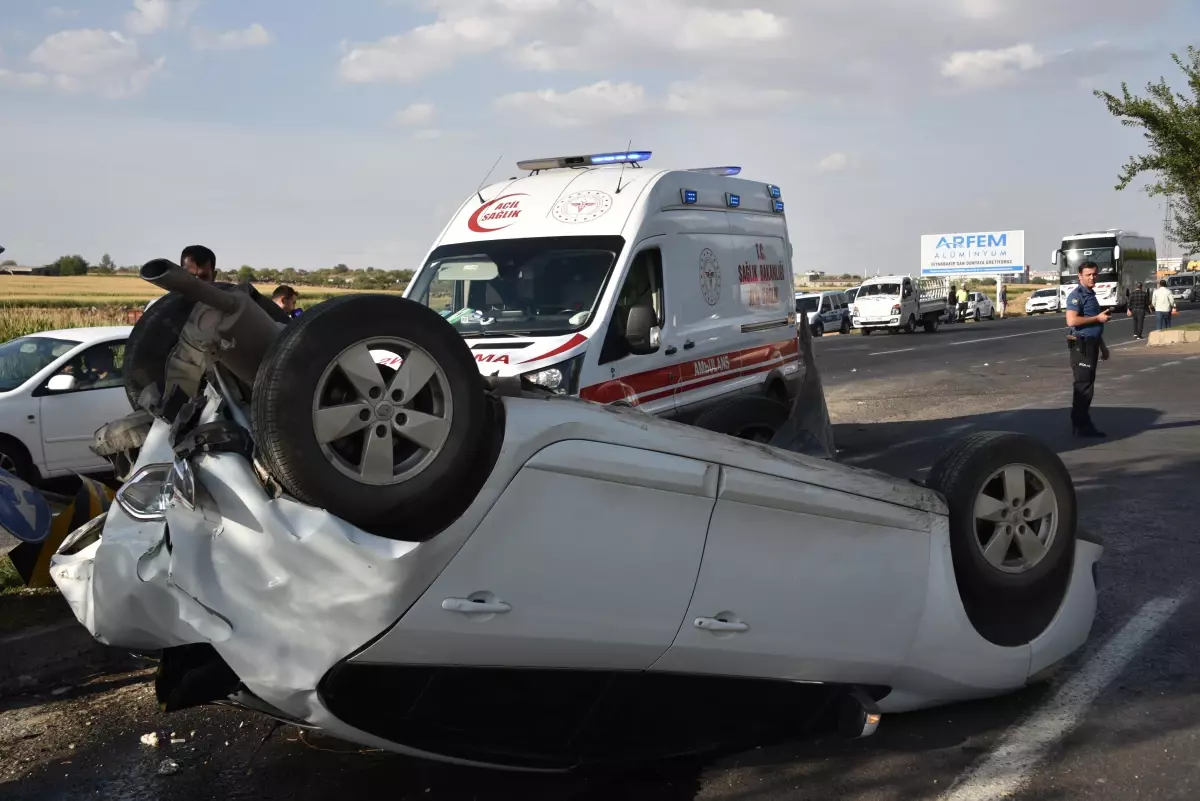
(1042, 301)
(475, 570)
(56, 389)
(980, 307)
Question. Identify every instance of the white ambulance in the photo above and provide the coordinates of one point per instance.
(666, 290)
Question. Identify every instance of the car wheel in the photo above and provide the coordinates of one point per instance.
(755, 418)
(818, 330)
(15, 459)
(866, 332)
(845, 329)
(151, 341)
(931, 325)
(910, 325)
(374, 446)
(1012, 531)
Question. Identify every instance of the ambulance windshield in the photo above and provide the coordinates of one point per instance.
(534, 286)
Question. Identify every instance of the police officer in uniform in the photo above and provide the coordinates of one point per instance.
(1086, 343)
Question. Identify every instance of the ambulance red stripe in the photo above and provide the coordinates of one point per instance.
(654, 384)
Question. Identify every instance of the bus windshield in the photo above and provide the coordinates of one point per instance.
(1101, 257)
(539, 285)
(1181, 280)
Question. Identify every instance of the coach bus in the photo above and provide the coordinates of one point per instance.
(1122, 259)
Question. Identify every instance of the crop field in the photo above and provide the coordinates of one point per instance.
(29, 304)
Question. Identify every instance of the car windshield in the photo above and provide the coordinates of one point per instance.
(22, 358)
(1101, 257)
(807, 304)
(1045, 293)
(540, 285)
(1181, 280)
(867, 290)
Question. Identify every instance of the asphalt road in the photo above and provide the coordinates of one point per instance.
(1122, 720)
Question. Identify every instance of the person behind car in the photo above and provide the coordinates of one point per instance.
(200, 262)
(285, 298)
(963, 298)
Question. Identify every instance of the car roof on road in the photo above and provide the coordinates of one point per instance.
(97, 333)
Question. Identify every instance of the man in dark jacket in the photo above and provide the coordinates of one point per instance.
(1139, 304)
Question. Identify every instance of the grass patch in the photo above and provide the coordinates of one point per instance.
(9, 580)
(1188, 327)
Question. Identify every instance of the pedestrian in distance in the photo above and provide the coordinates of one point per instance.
(1164, 305)
(950, 304)
(963, 298)
(1085, 341)
(1003, 300)
(1137, 306)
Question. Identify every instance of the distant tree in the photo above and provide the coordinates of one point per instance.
(8, 263)
(106, 266)
(340, 269)
(267, 276)
(245, 274)
(1171, 124)
(70, 265)
(289, 276)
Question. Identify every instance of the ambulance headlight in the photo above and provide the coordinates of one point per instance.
(561, 379)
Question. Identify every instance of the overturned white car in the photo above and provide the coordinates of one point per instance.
(430, 562)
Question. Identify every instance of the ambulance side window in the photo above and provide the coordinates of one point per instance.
(643, 287)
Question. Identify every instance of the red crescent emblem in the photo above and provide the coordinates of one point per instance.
(477, 225)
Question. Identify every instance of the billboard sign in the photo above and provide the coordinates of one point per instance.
(976, 253)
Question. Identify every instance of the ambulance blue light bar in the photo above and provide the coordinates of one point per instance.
(779, 207)
(774, 191)
(592, 160)
(730, 170)
(689, 196)
(732, 200)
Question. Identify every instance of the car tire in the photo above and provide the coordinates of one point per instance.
(158, 329)
(151, 341)
(818, 329)
(866, 332)
(910, 324)
(845, 329)
(755, 417)
(930, 324)
(431, 432)
(1010, 591)
(15, 459)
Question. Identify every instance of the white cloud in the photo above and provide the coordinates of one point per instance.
(23, 80)
(151, 16)
(601, 100)
(834, 162)
(423, 50)
(104, 62)
(240, 39)
(708, 97)
(416, 114)
(985, 68)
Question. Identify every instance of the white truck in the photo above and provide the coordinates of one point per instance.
(900, 303)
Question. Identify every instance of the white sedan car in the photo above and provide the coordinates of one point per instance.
(1042, 301)
(980, 307)
(431, 562)
(56, 389)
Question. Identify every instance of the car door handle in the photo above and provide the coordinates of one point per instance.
(671, 351)
(469, 607)
(713, 624)
(689, 345)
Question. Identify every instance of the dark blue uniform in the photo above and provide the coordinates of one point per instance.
(1086, 343)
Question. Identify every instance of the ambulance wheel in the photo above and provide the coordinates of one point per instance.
(1012, 518)
(752, 417)
(381, 448)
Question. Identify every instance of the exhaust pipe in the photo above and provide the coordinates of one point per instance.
(166, 274)
(226, 326)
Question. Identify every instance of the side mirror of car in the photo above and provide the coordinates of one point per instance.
(1054, 257)
(61, 383)
(641, 332)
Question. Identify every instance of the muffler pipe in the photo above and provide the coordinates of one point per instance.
(166, 274)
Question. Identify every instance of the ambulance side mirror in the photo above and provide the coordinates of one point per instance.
(641, 330)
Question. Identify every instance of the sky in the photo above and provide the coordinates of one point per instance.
(305, 134)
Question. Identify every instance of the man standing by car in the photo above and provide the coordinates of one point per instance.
(963, 297)
(1139, 304)
(1164, 303)
(1003, 300)
(1086, 344)
(285, 298)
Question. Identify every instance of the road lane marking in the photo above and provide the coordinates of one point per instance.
(1062, 331)
(1148, 369)
(1008, 768)
(1169, 364)
(886, 352)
